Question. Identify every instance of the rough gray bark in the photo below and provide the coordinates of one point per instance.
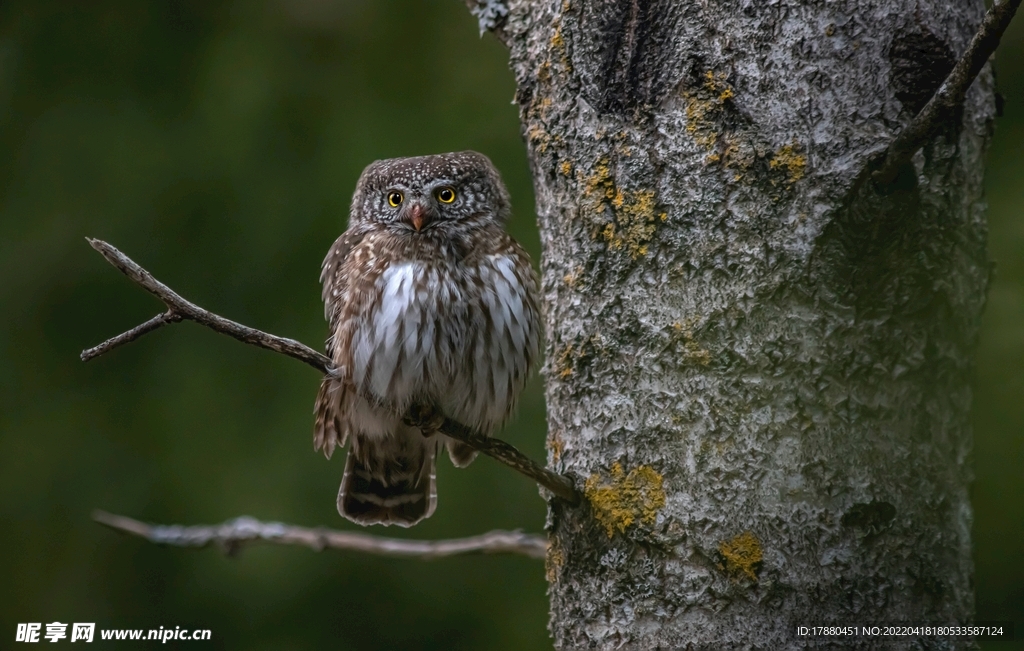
(757, 363)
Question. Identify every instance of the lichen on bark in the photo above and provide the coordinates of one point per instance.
(619, 500)
(742, 555)
(786, 350)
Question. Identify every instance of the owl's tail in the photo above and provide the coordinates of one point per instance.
(389, 480)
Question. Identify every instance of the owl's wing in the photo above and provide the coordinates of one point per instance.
(348, 276)
(333, 274)
(329, 429)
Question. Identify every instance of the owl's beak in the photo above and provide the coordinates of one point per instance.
(418, 216)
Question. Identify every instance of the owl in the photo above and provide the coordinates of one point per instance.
(430, 302)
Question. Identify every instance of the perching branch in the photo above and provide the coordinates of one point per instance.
(234, 534)
(179, 309)
(950, 95)
(560, 485)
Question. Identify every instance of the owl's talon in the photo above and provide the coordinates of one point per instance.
(424, 417)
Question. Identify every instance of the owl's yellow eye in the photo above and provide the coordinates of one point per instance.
(445, 195)
(395, 199)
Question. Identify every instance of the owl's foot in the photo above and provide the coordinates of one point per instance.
(428, 419)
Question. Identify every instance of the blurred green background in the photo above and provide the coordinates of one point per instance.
(217, 144)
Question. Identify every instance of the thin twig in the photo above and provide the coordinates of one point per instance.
(180, 309)
(950, 95)
(233, 534)
(158, 321)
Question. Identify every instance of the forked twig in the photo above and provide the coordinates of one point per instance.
(234, 534)
(950, 95)
(179, 309)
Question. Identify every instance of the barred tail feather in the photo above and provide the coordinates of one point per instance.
(389, 481)
(328, 430)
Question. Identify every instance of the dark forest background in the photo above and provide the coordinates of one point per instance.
(218, 144)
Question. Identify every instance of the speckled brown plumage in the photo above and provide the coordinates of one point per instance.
(429, 302)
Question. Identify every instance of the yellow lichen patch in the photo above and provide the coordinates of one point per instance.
(537, 135)
(608, 235)
(553, 560)
(572, 279)
(713, 83)
(634, 222)
(620, 499)
(556, 445)
(599, 187)
(790, 158)
(557, 42)
(704, 107)
(739, 154)
(575, 354)
(742, 555)
(565, 168)
(691, 350)
(633, 211)
(698, 124)
(564, 363)
(544, 72)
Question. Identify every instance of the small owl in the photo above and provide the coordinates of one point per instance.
(430, 302)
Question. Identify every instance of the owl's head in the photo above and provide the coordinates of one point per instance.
(425, 193)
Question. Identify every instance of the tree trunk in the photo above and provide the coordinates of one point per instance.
(758, 363)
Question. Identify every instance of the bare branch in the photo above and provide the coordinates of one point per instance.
(158, 321)
(179, 309)
(950, 95)
(234, 534)
(560, 485)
